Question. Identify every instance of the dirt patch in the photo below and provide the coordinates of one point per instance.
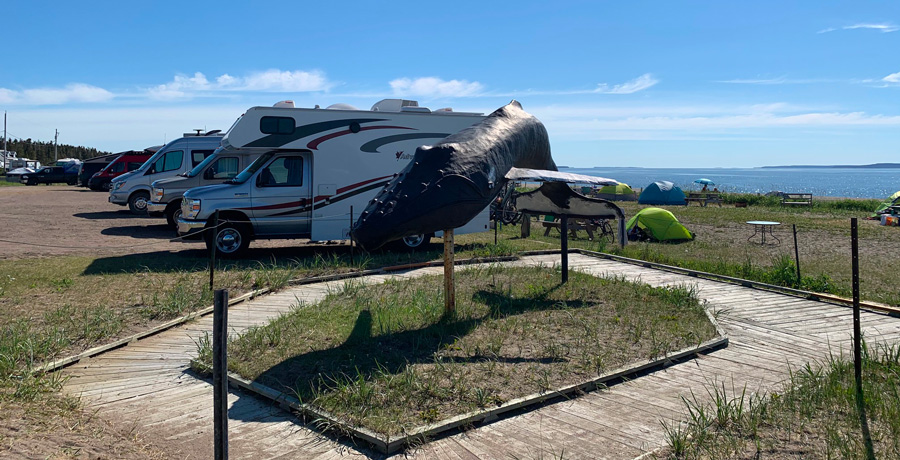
(43, 221)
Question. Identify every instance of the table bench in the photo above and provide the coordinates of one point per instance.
(703, 198)
(796, 199)
(574, 226)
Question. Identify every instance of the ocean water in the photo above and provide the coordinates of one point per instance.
(835, 182)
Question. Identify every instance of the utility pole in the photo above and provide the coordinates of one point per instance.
(5, 151)
(55, 145)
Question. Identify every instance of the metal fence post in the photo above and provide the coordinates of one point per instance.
(220, 374)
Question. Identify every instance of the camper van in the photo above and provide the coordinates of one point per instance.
(217, 168)
(126, 162)
(133, 189)
(317, 171)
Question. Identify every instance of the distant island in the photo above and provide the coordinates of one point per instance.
(871, 166)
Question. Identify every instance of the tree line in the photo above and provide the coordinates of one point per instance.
(43, 151)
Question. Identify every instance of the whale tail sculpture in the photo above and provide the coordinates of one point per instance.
(446, 185)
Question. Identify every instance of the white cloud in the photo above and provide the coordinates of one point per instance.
(883, 28)
(71, 93)
(272, 80)
(892, 78)
(435, 87)
(638, 84)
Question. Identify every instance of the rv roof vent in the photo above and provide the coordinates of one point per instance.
(445, 109)
(415, 109)
(340, 106)
(393, 105)
(284, 104)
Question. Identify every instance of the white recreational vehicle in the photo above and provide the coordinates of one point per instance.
(315, 165)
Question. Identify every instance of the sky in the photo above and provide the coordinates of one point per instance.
(652, 84)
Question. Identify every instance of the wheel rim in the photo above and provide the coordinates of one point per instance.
(228, 240)
(413, 241)
(106, 186)
(140, 203)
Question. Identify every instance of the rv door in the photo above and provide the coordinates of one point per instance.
(280, 200)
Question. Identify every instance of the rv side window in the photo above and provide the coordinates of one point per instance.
(117, 168)
(168, 162)
(224, 169)
(197, 156)
(132, 166)
(283, 172)
(276, 125)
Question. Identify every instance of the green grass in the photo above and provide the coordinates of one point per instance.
(816, 416)
(388, 357)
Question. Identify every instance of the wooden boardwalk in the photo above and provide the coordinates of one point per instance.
(147, 385)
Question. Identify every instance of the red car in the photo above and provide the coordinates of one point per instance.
(127, 161)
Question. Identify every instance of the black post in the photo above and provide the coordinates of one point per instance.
(220, 374)
(797, 255)
(496, 229)
(564, 229)
(212, 248)
(857, 343)
(854, 257)
(350, 234)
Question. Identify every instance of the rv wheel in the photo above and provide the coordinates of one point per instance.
(137, 203)
(412, 242)
(231, 239)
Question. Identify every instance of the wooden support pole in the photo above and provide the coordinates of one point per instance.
(449, 281)
(526, 225)
(220, 374)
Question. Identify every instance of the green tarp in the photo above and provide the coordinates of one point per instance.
(659, 224)
(890, 201)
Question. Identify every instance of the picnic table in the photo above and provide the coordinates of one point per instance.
(796, 199)
(574, 225)
(703, 198)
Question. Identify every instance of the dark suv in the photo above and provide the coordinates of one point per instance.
(50, 175)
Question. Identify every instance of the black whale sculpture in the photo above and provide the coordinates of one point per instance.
(446, 185)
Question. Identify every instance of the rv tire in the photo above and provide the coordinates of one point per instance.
(137, 202)
(412, 242)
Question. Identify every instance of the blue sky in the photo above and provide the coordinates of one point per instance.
(656, 84)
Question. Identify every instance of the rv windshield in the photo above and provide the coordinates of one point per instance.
(206, 161)
(247, 173)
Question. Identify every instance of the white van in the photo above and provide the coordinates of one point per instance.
(223, 165)
(180, 155)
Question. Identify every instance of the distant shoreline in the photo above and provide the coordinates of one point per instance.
(871, 166)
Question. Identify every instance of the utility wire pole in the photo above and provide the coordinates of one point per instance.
(55, 145)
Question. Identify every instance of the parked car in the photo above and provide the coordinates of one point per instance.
(125, 162)
(50, 175)
(93, 165)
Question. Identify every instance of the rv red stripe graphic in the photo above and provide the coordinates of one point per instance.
(314, 144)
(305, 203)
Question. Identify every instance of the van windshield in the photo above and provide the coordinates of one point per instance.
(203, 164)
(247, 173)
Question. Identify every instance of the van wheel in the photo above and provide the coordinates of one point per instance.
(137, 202)
(173, 213)
(231, 239)
(106, 186)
